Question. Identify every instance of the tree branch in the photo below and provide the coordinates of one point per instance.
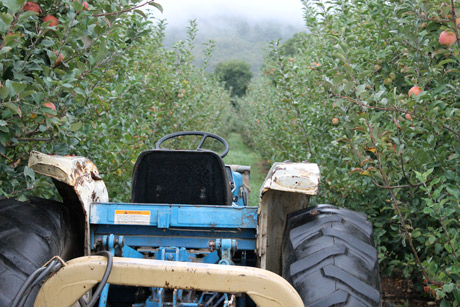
(124, 11)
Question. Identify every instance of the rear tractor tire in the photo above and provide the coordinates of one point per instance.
(329, 257)
(31, 233)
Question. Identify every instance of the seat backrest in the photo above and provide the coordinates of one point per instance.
(180, 177)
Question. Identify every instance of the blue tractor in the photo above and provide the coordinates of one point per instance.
(187, 238)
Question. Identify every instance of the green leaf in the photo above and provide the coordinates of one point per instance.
(443, 62)
(29, 173)
(456, 294)
(26, 94)
(101, 52)
(18, 87)
(4, 91)
(5, 22)
(340, 56)
(428, 210)
(4, 138)
(448, 248)
(76, 126)
(99, 30)
(428, 173)
(348, 86)
(5, 50)
(157, 5)
(80, 91)
(67, 85)
(140, 13)
(454, 191)
(20, 3)
(12, 5)
(13, 108)
(3, 123)
(77, 6)
(25, 15)
(22, 198)
(444, 302)
(10, 39)
(47, 43)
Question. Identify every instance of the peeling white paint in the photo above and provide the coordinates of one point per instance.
(293, 177)
(77, 172)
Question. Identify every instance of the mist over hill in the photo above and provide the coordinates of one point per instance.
(235, 37)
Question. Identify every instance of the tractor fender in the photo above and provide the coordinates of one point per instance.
(77, 180)
(287, 188)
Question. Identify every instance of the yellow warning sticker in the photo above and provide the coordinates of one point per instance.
(132, 217)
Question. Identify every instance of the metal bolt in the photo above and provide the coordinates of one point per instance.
(211, 246)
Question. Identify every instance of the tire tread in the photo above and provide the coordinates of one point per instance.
(330, 258)
(31, 233)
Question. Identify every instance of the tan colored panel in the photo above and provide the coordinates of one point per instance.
(287, 188)
(275, 207)
(81, 274)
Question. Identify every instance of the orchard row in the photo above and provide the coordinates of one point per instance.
(370, 92)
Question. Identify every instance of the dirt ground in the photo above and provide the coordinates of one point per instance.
(399, 292)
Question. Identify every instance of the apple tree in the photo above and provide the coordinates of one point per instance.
(93, 79)
(348, 100)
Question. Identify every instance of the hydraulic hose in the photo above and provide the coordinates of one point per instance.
(36, 277)
(54, 265)
(101, 285)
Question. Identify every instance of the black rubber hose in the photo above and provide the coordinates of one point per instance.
(36, 277)
(104, 279)
(82, 302)
(50, 269)
(25, 286)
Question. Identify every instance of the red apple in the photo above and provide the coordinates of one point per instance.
(53, 20)
(32, 6)
(447, 38)
(415, 90)
(50, 105)
(59, 59)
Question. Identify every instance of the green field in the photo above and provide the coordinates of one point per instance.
(242, 154)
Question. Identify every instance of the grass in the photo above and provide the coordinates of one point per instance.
(242, 154)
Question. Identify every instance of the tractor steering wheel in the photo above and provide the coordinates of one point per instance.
(204, 134)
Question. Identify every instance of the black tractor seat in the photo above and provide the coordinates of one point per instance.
(180, 177)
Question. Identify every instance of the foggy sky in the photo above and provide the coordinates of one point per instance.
(178, 12)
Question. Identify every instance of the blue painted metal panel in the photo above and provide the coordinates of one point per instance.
(209, 218)
(164, 218)
(129, 252)
(238, 180)
(154, 237)
(211, 257)
(179, 215)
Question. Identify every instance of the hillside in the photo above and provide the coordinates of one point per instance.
(235, 38)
